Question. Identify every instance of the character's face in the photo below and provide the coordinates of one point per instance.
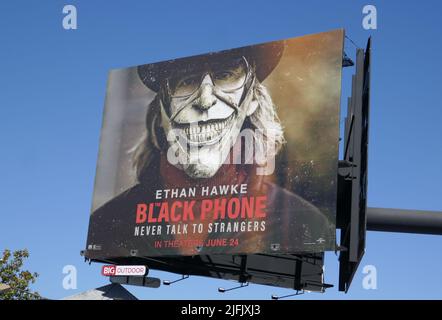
(207, 109)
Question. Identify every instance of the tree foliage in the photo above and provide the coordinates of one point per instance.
(18, 280)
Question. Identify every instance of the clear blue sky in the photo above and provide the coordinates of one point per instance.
(52, 88)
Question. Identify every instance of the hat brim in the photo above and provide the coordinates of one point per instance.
(265, 57)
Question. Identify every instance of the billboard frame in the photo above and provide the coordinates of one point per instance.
(353, 172)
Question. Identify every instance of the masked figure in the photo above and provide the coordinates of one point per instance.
(195, 138)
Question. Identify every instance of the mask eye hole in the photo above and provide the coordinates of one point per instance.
(229, 79)
(230, 76)
(185, 85)
(223, 75)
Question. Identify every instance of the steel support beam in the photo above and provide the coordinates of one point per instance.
(408, 221)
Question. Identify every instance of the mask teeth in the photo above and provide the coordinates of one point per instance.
(206, 131)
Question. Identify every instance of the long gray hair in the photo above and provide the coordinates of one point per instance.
(264, 119)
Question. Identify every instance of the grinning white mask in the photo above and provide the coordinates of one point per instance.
(206, 113)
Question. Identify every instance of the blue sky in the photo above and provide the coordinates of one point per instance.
(52, 88)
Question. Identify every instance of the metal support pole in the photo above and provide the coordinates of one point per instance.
(408, 221)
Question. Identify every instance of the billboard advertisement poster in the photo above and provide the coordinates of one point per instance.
(230, 152)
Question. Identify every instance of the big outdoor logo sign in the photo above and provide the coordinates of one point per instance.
(112, 270)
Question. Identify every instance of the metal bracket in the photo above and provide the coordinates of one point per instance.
(298, 293)
(168, 282)
(222, 290)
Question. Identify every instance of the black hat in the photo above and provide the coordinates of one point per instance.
(264, 57)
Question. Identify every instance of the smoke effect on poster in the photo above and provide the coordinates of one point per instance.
(229, 152)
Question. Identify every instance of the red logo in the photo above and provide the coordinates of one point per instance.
(108, 270)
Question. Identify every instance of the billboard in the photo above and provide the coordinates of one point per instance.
(230, 152)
